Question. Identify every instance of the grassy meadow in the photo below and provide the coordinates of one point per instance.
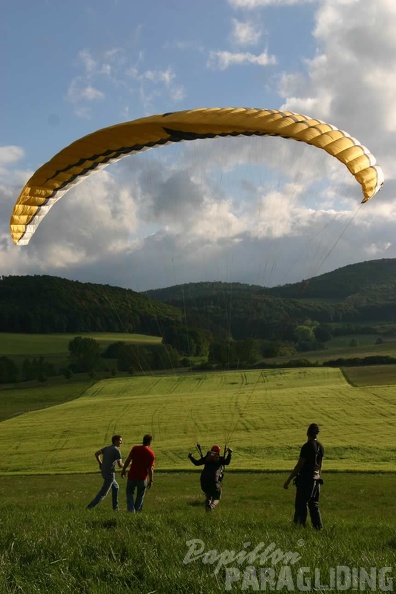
(50, 544)
(262, 414)
(35, 345)
(339, 347)
(54, 347)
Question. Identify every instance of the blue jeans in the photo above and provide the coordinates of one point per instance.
(140, 486)
(109, 482)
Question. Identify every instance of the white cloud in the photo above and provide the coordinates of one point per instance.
(224, 59)
(114, 70)
(379, 249)
(89, 93)
(384, 78)
(89, 63)
(163, 76)
(351, 81)
(12, 177)
(245, 32)
(80, 91)
(251, 4)
(10, 154)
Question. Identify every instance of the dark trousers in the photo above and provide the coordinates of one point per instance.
(212, 490)
(307, 498)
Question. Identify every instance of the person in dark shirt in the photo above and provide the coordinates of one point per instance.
(107, 459)
(212, 474)
(307, 478)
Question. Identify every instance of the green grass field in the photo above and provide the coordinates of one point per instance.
(263, 415)
(49, 543)
(34, 345)
(54, 347)
(339, 348)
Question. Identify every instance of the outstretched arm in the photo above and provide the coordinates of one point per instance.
(294, 472)
(227, 459)
(196, 462)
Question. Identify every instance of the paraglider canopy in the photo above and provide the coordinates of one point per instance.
(108, 145)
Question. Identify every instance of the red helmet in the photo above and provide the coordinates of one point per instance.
(215, 448)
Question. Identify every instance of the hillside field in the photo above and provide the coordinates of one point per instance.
(339, 347)
(262, 414)
(54, 347)
(34, 345)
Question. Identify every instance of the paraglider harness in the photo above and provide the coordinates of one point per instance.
(214, 457)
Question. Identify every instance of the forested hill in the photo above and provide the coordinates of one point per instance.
(41, 304)
(364, 281)
(362, 293)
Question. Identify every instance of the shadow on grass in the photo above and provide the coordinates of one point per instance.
(392, 543)
(196, 503)
(107, 524)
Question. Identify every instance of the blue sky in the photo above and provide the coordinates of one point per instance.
(258, 213)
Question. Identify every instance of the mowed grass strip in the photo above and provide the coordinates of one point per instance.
(262, 414)
(371, 375)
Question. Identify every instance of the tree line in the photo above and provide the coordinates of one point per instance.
(209, 324)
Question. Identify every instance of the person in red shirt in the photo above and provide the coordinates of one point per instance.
(140, 474)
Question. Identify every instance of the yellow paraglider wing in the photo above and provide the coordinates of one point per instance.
(93, 152)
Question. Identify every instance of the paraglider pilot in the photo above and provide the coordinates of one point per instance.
(307, 478)
(212, 473)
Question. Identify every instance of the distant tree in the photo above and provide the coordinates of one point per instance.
(165, 357)
(179, 338)
(8, 371)
(137, 358)
(113, 350)
(354, 343)
(84, 354)
(68, 374)
(234, 353)
(202, 339)
(270, 349)
(222, 353)
(27, 370)
(246, 351)
(131, 357)
(304, 334)
(323, 333)
(37, 368)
